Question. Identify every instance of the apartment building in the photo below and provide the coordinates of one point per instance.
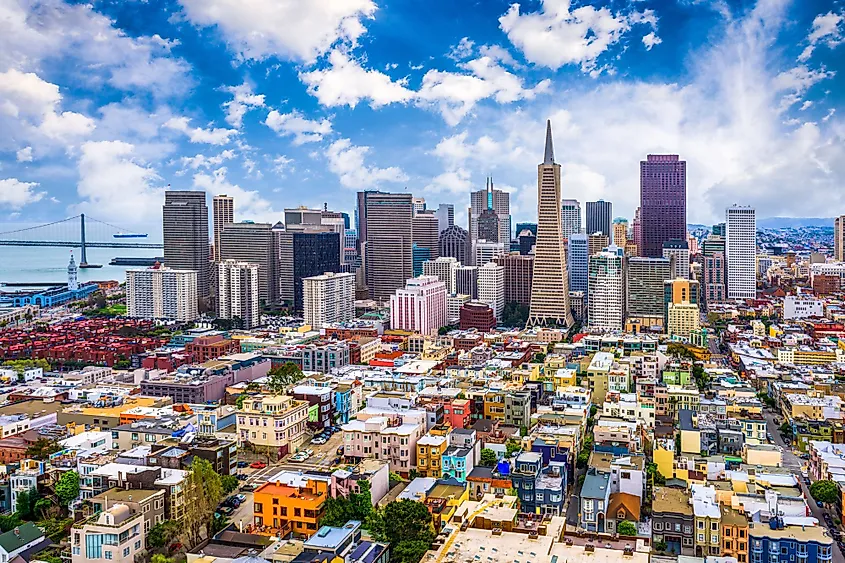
(292, 504)
(159, 292)
(385, 434)
(115, 535)
(328, 298)
(276, 422)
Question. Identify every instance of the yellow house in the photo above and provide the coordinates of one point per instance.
(444, 499)
(430, 455)
(664, 458)
(762, 454)
(690, 433)
(564, 377)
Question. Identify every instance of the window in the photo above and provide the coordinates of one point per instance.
(138, 544)
(658, 526)
(126, 552)
(108, 554)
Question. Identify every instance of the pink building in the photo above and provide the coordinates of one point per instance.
(420, 306)
(385, 435)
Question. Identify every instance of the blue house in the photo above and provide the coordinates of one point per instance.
(457, 462)
(776, 543)
(553, 452)
(540, 489)
(342, 403)
(595, 496)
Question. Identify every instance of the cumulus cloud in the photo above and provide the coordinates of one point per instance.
(15, 194)
(212, 136)
(302, 129)
(828, 29)
(24, 155)
(651, 40)
(347, 161)
(290, 29)
(558, 35)
(250, 204)
(243, 99)
(199, 161)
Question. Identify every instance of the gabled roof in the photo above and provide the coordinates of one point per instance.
(630, 503)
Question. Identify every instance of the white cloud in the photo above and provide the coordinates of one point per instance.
(558, 35)
(651, 40)
(15, 194)
(213, 136)
(24, 155)
(201, 161)
(281, 165)
(796, 81)
(250, 204)
(118, 184)
(828, 29)
(347, 162)
(304, 130)
(243, 99)
(293, 29)
(66, 126)
(463, 50)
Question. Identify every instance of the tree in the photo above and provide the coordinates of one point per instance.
(42, 448)
(9, 522)
(357, 506)
(626, 528)
(283, 376)
(406, 525)
(582, 459)
(204, 493)
(511, 447)
(229, 483)
(159, 558)
(67, 489)
(660, 546)
(825, 491)
(239, 402)
(42, 508)
(514, 314)
(786, 429)
(488, 458)
(162, 533)
(409, 551)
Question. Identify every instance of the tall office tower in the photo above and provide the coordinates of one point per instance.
(491, 287)
(519, 274)
(420, 306)
(679, 250)
(389, 259)
(185, 232)
(714, 278)
(418, 204)
(644, 288)
(570, 217)
(741, 252)
(839, 239)
(550, 289)
(620, 232)
(454, 302)
(499, 202)
(444, 268)
(253, 243)
(445, 216)
(484, 252)
(578, 263)
(223, 211)
(663, 202)
(599, 217)
(455, 242)
(597, 242)
(72, 274)
(237, 292)
(488, 226)
(161, 293)
(525, 241)
(607, 291)
(426, 232)
(328, 298)
(684, 295)
(303, 251)
(637, 232)
(719, 230)
(421, 255)
(466, 281)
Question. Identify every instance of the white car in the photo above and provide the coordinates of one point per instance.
(318, 441)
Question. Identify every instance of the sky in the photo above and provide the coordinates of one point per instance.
(282, 103)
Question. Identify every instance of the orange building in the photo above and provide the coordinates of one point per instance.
(281, 509)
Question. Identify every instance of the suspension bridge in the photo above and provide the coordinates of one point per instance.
(76, 232)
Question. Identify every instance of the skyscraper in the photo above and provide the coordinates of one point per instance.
(466, 281)
(426, 232)
(550, 288)
(679, 250)
(599, 216)
(499, 202)
(223, 211)
(637, 232)
(454, 242)
(519, 275)
(237, 292)
(161, 293)
(620, 232)
(663, 202)
(607, 291)
(444, 268)
(252, 243)
(488, 226)
(570, 217)
(388, 256)
(445, 216)
(303, 251)
(328, 298)
(420, 306)
(644, 288)
(578, 263)
(491, 287)
(185, 234)
(839, 239)
(741, 252)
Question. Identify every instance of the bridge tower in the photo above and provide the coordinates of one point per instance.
(83, 258)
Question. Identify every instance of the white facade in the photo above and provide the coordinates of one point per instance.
(237, 292)
(570, 217)
(486, 251)
(420, 306)
(741, 252)
(454, 302)
(799, 307)
(683, 318)
(607, 291)
(491, 287)
(681, 263)
(329, 298)
(161, 293)
(444, 268)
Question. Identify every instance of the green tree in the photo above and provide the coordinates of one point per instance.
(409, 551)
(786, 429)
(514, 314)
(163, 533)
(42, 448)
(511, 447)
(357, 506)
(42, 508)
(282, 377)
(204, 492)
(9, 522)
(67, 489)
(239, 402)
(488, 458)
(25, 508)
(582, 459)
(229, 483)
(407, 526)
(660, 546)
(825, 491)
(626, 528)
(159, 558)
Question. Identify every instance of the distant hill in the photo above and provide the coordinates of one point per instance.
(794, 222)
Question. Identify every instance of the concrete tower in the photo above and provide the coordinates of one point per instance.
(550, 287)
(72, 271)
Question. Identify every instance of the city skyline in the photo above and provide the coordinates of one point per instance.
(150, 113)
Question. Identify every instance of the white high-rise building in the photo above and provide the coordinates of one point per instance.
(741, 252)
(420, 306)
(491, 287)
(678, 251)
(237, 292)
(484, 251)
(444, 268)
(454, 302)
(570, 217)
(161, 293)
(328, 298)
(72, 274)
(607, 291)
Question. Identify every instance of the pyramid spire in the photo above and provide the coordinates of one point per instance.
(549, 156)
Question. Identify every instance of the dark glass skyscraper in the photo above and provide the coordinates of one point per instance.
(599, 217)
(663, 202)
(185, 230)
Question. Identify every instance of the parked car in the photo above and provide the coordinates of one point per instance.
(248, 487)
(298, 458)
(240, 476)
(319, 441)
(243, 464)
(241, 498)
(226, 510)
(340, 450)
(310, 452)
(258, 465)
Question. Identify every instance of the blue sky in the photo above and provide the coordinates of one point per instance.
(289, 102)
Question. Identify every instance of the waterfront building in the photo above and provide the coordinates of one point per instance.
(162, 293)
(663, 202)
(328, 298)
(185, 235)
(238, 292)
